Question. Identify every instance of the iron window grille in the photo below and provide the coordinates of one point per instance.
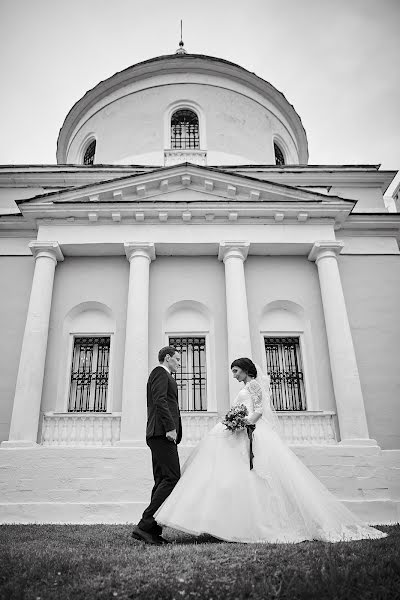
(89, 375)
(192, 376)
(279, 157)
(185, 130)
(88, 157)
(284, 366)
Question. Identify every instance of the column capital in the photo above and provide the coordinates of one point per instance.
(233, 250)
(49, 249)
(325, 249)
(144, 249)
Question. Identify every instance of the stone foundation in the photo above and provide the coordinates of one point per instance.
(112, 484)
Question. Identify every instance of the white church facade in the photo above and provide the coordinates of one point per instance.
(182, 210)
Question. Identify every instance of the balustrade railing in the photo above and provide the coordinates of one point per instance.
(196, 425)
(66, 429)
(77, 429)
(308, 428)
(175, 157)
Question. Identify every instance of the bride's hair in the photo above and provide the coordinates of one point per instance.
(246, 365)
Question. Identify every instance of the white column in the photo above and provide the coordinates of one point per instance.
(346, 380)
(136, 368)
(28, 391)
(239, 344)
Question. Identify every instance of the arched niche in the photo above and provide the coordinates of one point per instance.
(283, 315)
(188, 318)
(188, 315)
(285, 318)
(89, 318)
(185, 104)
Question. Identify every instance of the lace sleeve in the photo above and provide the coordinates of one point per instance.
(255, 392)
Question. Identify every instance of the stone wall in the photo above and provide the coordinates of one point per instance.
(372, 289)
(15, 280)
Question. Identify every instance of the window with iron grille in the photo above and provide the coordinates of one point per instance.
(88, 157)
(89, 374)
(279, 157)
(284, 366)
(192, 376)
(185, 130)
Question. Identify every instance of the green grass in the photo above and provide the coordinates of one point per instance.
(91, 562)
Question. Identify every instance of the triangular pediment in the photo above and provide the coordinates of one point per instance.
(185, 193)
(180, 183)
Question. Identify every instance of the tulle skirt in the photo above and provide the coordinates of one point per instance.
(279, 500)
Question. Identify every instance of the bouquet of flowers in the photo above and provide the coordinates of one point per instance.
(235, 420)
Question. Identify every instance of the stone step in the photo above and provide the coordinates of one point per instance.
(374, 512)
(90, 481)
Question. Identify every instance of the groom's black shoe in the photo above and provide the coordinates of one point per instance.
(163, 540)
(146, 537)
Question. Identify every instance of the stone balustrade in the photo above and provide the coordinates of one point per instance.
(78, 429)
(308, 428)
(196, 425)
(72, 429)
(175, 157)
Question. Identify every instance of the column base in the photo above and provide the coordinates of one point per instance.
(358, 442)
(18, 444)
(131, 444)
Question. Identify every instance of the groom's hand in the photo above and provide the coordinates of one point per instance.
(171, 435)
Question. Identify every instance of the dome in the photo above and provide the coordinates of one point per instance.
(183, 107)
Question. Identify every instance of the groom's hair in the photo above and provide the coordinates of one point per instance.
(164, 351)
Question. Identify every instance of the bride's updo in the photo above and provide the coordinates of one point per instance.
(246, 365)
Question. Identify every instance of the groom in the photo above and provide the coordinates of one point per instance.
(163, 433)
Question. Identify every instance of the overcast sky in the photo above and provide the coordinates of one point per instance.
(336, 61)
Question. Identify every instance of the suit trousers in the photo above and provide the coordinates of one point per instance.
(166, 471)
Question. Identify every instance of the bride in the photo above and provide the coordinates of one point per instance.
(279, 500)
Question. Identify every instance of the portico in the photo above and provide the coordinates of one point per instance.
(243, 213)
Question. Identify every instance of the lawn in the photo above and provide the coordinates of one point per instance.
(91, 562)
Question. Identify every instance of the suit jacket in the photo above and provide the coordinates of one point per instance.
(162, 404)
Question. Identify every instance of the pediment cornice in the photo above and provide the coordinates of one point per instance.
(207, 183)
(186, 193)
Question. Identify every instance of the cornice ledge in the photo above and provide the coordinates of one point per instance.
(378, 219)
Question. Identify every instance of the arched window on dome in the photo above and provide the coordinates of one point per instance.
(279, 156)
(185, 130)
(88, 157)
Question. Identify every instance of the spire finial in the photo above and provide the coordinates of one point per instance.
(181, 49)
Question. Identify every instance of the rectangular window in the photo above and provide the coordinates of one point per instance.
(89, 375)
(285, 368)
(192, 377)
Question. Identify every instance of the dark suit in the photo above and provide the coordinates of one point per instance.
(162, 415)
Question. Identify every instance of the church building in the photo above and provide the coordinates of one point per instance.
(182, 210)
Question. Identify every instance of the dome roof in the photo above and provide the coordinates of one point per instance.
(179, 63)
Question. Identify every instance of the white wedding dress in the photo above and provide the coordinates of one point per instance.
(279, 500)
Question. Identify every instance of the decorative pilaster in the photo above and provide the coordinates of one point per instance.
(239, 344)
(28, 391)
(346, 380)
(134, 403)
